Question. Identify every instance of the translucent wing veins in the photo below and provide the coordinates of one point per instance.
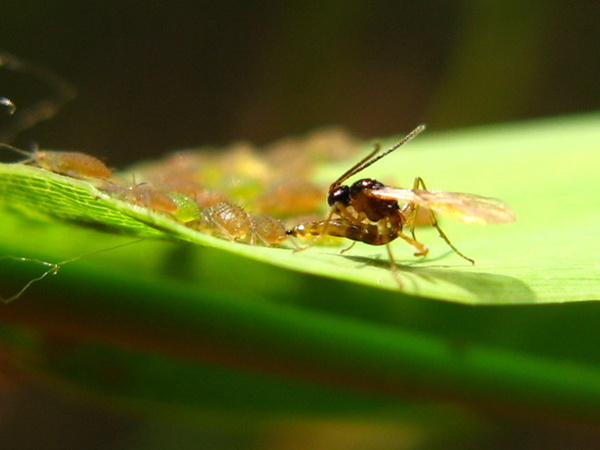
(468, 208)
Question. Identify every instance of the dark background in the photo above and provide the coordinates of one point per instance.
(158, 76)
(153, 77)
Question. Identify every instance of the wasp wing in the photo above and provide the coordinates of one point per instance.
(468, 208)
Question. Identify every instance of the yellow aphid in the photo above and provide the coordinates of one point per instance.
(73, 164)
(227, 219)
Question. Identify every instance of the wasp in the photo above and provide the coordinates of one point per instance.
(368, 211)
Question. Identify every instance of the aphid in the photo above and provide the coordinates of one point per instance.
(187, 209)
(233, 222)
(183, 186)
(142, 194)
(73, 164)
(29, 116)
(146, 195)
(267, 229)
(369, 211)
(209, 198)
(227, 219)
(292, 197)
(203, 197)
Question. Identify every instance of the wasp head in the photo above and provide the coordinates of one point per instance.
(339, 194)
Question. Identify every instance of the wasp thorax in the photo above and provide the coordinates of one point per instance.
(365, 184)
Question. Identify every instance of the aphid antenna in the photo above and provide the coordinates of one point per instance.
(30, 155)
(40, 111)
(373, 157)
(65, 91)
(136, 184)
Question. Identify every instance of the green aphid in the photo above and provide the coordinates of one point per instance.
(187, 209)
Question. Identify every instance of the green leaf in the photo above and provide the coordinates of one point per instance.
(258, 318)
(545, 173)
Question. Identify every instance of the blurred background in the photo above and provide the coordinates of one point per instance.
(153, 77)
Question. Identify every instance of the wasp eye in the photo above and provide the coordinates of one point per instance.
(341, 194)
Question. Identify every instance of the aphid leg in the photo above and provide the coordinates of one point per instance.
(223, 232)
(53, 270)
(267, 230)
(419, 183)
(297, 247)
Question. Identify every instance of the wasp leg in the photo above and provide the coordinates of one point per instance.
(420, 183)
(344, 250)
(422, 249)
(393, 267)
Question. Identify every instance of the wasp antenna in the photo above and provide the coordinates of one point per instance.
(355, 168)
(414, 133)
(374, 156)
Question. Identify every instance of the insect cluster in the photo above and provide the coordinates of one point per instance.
(239, 193)
(214, 192)
(262, 197)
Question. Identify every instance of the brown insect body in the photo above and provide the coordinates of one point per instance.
(267, 229)
(202, 196)
(367, 233)
(226, 218)
(142, 194)
(233, 222)
(73, 164)
(359, 197)
(148, 196)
